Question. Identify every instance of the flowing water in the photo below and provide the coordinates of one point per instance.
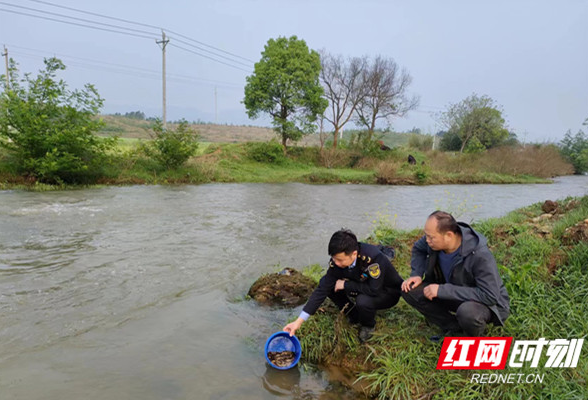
(136, 292)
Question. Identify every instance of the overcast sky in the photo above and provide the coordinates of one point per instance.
(531, 57)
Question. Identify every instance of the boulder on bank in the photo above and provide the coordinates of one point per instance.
(287, 288)
(576, 234)
(550, 207)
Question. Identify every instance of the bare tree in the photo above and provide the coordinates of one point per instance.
(385, 93)
(342, 81)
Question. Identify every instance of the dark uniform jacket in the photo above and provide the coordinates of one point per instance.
(372, 275)
(474, 275)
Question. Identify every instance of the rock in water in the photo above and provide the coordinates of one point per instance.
(287, 288)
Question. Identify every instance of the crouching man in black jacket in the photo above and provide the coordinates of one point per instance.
(357, 270)
(454, 280)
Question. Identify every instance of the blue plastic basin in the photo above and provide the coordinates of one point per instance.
(282, 341)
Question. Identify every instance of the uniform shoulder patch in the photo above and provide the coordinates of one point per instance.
(374, 271)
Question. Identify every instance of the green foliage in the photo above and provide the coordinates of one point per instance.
(285, 85)
(266, 152)
(450, 141)
(474, 146)
(49, 129)
(476, 117)
(548, 299)
(575, 149)
(420, 142)
(421, 173)
(365, 143)
(171, 149)
(314, 271)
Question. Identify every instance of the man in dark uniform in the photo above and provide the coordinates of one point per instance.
(358, 270)
(454, 281)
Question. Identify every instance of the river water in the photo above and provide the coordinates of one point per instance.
(137, 292)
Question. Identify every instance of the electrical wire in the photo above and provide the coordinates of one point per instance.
(126, 69)
(74, 23)
(202, 55)
(141, 24)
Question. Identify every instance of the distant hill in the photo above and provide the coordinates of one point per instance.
(136, 128)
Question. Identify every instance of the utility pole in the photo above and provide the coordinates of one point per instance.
(215, 108)
(5, 54)
(163, 42)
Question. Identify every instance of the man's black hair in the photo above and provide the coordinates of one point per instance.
(445, 222)
(343, 241)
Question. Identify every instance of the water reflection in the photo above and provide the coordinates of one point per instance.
(281, 382)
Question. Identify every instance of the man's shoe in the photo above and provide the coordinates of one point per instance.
(365, 333)
(352, 320)
(448, 332)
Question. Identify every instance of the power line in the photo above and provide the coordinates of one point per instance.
(96, 14)
(74, 23)
(210, 52)
(202, 55)
(75, 18)
(141, 24)
(207, 45)
(113, 67)
(126, 33)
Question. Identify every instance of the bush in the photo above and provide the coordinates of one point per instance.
(49, 130)
(266, 152)
(450, 141)
(420, 142)
(575, 150)
(171, 149)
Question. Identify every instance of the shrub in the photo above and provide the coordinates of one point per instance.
(266, 152)
(420, 142)
(575, 150)
(49, 130)
(171, 149)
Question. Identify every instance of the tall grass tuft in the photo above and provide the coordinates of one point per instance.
(548, 299)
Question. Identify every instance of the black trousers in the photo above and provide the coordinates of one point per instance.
(364, 310)
(469, 316)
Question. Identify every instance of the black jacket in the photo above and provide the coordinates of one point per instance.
(372, 275)
(474, 275)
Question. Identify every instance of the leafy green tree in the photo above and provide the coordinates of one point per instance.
(476, 117)
(285, 85)
(49, 129)
(450, 141)
(172, 148)
(575, 149)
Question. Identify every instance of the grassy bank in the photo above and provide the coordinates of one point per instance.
(265, 162)
(543, 262)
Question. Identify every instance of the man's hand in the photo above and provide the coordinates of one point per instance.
(340, 285)
(411, 283)
(292, 327)
(431, 290)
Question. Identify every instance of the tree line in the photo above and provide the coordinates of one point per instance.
(49, 131)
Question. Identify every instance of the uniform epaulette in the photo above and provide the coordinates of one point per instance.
(366, 259)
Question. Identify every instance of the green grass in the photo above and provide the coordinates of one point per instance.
(233, 162)
(545, 279)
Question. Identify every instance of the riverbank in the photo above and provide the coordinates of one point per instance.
(543, 260)
(265, 162)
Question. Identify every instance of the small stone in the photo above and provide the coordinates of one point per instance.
(549, 206)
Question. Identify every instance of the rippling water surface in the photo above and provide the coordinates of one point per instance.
(135, 292)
